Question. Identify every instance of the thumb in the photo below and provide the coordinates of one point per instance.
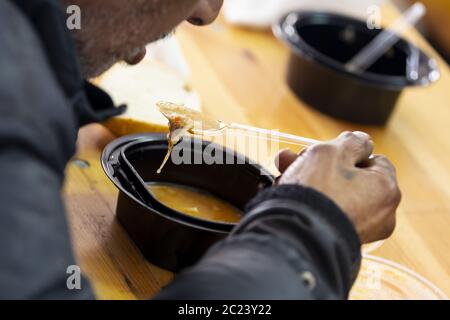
(284, 159)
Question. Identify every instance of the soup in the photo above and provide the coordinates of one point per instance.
(195, 203)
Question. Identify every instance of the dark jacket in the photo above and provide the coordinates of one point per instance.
(293, 243)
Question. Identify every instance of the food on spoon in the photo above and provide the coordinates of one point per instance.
(181, 121)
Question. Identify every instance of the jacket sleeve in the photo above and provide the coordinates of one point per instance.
(37, 137)
(293, 243)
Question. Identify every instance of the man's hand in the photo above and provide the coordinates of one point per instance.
(364, 187)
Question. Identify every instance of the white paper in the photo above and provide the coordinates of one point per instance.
(264, 13)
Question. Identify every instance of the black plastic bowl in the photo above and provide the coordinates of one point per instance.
(168, 238)
(322, 43)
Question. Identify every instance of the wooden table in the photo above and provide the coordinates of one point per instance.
(240, 76)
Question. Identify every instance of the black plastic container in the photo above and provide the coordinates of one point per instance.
(168, 238)
(322, 43)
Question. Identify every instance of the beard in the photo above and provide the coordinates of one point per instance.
(92, 67)
(95, 62)
(112, 34)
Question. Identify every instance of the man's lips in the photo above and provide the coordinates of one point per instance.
(135, 56)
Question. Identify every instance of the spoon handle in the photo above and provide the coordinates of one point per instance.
(273, 135)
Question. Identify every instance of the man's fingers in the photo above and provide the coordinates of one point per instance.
(356, 146)
(383, 164)
(284, 159)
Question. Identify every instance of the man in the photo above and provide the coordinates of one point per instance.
(298, 240)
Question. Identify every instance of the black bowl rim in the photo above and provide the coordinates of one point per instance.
(120, 143)
(304, 50)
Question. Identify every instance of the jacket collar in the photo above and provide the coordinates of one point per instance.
(48, 19)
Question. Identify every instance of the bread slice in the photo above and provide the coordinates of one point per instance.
(141, 87)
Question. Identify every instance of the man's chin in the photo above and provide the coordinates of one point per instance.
(93, 70)
(135, 56)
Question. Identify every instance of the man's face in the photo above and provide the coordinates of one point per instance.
(115, 30)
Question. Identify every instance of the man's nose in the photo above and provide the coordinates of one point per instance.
(206, 12)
